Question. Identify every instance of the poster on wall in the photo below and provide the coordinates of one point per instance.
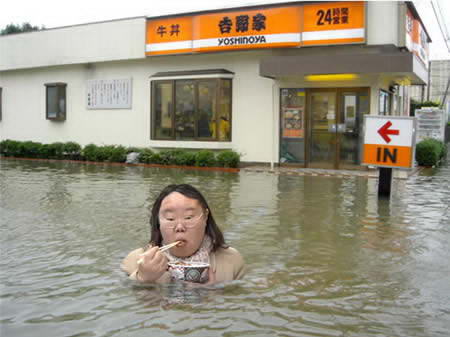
(108, 94)
(292, 113)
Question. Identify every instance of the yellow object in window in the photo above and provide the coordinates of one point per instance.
(224, 129)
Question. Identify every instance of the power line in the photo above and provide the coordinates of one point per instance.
(441, 23)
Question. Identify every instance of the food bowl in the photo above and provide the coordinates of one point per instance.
(196, 272)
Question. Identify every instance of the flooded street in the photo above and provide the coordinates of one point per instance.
(325, 257)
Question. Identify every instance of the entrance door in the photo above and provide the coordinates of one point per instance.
(335, 127)
(353, 105)
(322, 140)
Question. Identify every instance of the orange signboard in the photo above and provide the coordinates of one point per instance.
(169, 36)
(288, 26)
(333, 23)
(385, 155)
(409, 25)
(263, 28)
(420, 42)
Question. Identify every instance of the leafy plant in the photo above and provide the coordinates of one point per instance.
(156, 158)
(30, 149)
(134, 149)
(228, 158)
(185, 158)
(118, 154)
(55, 150)
(72, 150)
(205, 158)
(145, 156)
(429, 151)
(90, 152)
(10, 148)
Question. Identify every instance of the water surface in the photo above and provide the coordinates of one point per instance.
(325, 256)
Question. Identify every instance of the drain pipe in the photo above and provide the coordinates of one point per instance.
(275, 124)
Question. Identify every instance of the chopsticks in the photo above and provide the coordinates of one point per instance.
(161, 249)
(170, 245)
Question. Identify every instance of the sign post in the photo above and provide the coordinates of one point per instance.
(388, 143)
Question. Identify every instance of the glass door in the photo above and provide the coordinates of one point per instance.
(323, 131)
(353, 105)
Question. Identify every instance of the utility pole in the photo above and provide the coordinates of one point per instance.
(445, 94)
(429, 81)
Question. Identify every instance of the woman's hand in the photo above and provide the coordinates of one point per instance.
(151, 266)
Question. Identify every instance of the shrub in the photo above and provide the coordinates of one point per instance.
(55, 150)
(134, 149)
(178, 157)
(111, 153)
(228, 158)
(72, 150)
(117, 154)
(45, 151)
(90, 152)
(167, 157)
(10, 148)
(205, 158)
(429, 151)
(145, 155)
(156, 158)
(185, 158)
(30, 149)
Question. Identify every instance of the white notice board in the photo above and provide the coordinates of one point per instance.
(108, 94)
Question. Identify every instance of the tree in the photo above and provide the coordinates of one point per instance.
(17, 28)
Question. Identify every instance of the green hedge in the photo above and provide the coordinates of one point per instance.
(430, 151)
(118, 153)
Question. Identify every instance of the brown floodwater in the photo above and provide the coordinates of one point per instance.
(325, 256)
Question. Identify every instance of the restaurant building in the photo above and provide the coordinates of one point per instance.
(282, 84)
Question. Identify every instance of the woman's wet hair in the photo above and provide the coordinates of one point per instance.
(189, 191)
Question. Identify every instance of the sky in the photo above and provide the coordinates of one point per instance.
(59, 13)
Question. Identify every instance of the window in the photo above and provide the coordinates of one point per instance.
(384, 103)
(56, 101)
(191, 109)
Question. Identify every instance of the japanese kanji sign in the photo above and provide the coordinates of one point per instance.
(388, 141)
(275, 27)
(108, 94)
(333, 23)
(289, 26)
(169, 36)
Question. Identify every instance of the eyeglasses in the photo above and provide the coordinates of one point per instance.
(188, 221)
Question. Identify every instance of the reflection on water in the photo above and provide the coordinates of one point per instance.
(325, 256)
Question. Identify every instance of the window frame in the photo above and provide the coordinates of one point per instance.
(387, 103)
(1, 102)
(219, 80)
(61, 92)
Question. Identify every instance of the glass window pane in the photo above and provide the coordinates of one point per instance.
(52, 102)
(224, 113)
(292, 124)
(185, 110)
(206, 123)
(163, 124)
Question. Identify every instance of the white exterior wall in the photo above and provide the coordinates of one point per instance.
(382, 22)
(97, 42)
(24, 104)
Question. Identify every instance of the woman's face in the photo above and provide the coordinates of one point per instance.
(182, 219)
